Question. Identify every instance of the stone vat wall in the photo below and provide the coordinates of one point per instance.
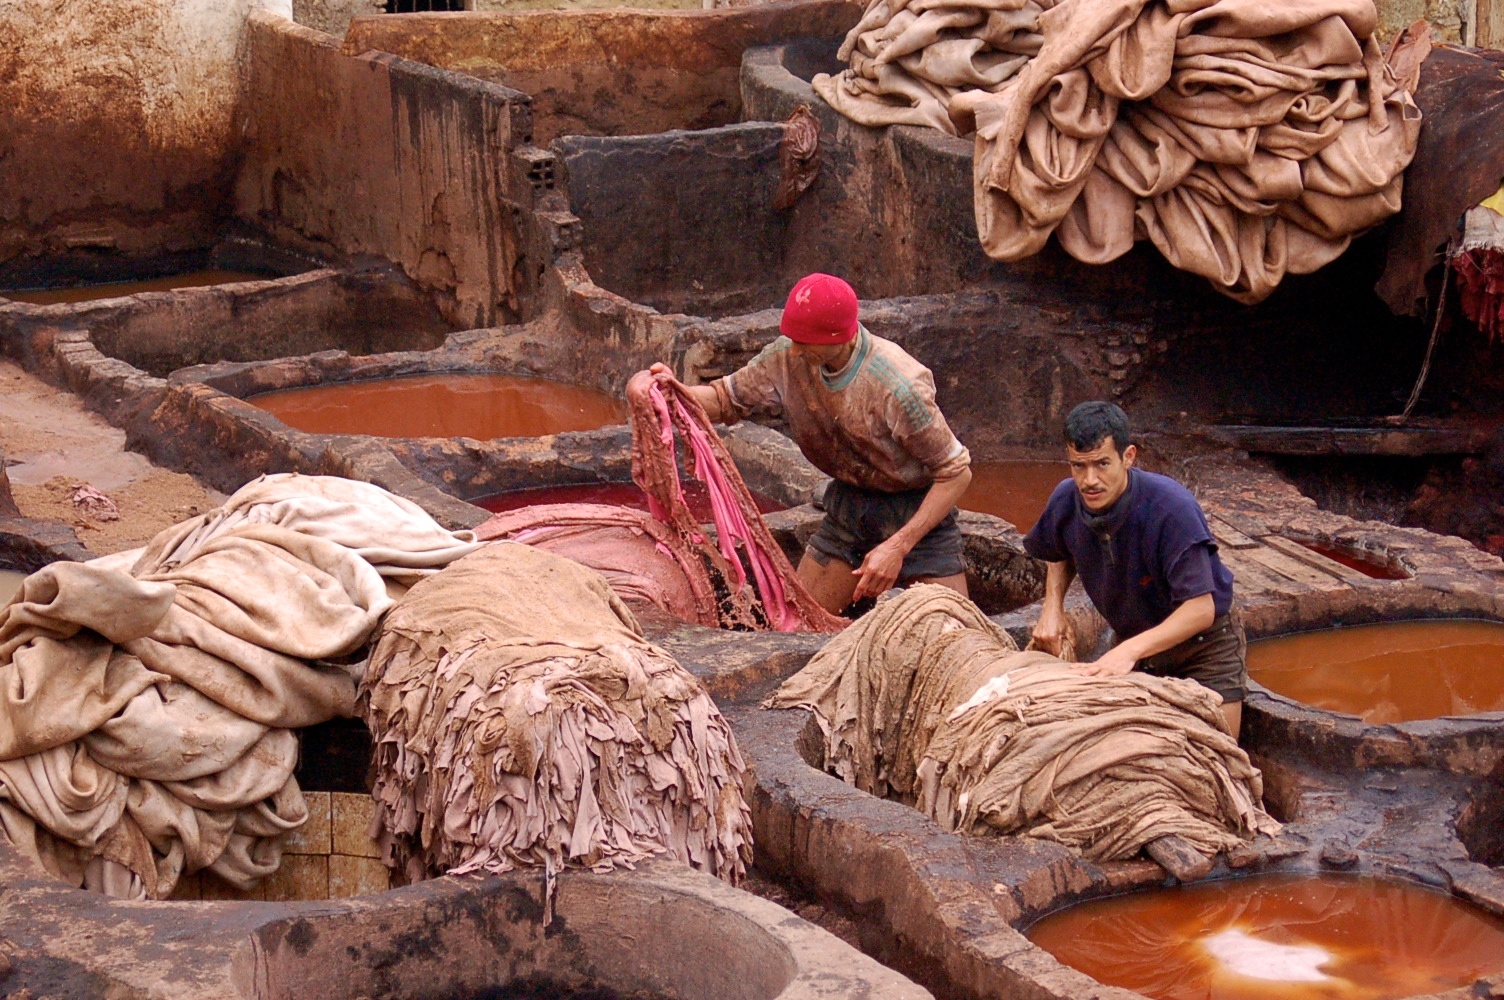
(118, 124)
(607, 72)
(374, 154)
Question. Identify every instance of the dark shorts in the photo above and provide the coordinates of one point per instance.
(858, 520)
(1216, 658)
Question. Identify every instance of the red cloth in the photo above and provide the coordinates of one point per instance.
(1480, 280)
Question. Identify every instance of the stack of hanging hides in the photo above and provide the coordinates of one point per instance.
(1245, 140)
(150, 696)
(664, 558)
(521, 719)
(926, 700)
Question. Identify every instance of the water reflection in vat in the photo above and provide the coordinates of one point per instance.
(114, 289)
(1291, 937)
(1392, 672)
(446, 405)
(611, 494)
(10, 584)
(1015, 491)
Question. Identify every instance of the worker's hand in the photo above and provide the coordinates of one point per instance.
(879, 571)
(662, 374)
(1115, 663)
(1049, 631)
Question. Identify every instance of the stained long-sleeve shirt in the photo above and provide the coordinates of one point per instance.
(873, 424)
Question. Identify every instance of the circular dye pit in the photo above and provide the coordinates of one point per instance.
(115, 289)
(1013, 491)
(611, 494)
(448, 405)
(10, 585)
(1278, 937)
(1392, 672)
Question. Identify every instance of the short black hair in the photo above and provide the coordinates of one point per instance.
(1089, 424)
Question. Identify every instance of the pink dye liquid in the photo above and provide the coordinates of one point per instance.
(1015, 491)
(611, 494)
(1279, 937)
(1377, 570)
(451, 405)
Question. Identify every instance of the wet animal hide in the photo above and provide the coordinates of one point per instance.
(1246, 141)
(150, 696)
(926, 700)
(521, 719)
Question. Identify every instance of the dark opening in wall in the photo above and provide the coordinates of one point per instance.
(414, 6)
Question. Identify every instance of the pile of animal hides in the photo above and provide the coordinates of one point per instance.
(663, 557)
(1246, 140)
(1479, 262)
(926, 700)
(150, 696)
(521, 719)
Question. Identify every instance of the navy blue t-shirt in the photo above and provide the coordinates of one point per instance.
(1144, 560)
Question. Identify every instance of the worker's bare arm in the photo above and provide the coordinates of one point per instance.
(879, 571)
(1190, 618)
(702, 394)
(1049, 631)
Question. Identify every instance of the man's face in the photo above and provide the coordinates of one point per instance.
(831, 356)
(1101, 474)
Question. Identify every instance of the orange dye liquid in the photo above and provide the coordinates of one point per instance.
(1379, 571)
(115, 289)
(10, 585)
(454, 405)
(1278, 937)
(1013, 491)
(1394, 672)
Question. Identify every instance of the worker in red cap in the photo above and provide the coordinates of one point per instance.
(863, 412)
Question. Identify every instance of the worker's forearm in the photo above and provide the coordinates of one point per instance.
(1057, 580)
(707, 397)
(938, 502)
(1190, 618)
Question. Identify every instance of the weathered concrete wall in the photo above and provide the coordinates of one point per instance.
(377, 155)
(117, 121)
(608, 72)
(333, 16)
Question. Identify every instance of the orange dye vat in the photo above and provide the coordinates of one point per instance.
(1015, 491)
(1377, 570)
(1394, 672)
(115, 289)
(450, 405)
(10, 585)
(696, 497)
(1279, 937)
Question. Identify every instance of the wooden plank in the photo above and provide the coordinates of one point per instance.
(1230, 536)
(1409, 440)
(1299, 551)
(1295, 569)
(1252, 575)
(1179, 858)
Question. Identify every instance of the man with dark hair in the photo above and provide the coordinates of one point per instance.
(863, 412)
(1145, 555)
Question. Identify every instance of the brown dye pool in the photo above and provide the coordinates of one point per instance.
(1393, 672)
(115, 289)
(1013, 491)
(10, 585)
(1291, 937)
(1377, 570)
(448, 405)
(534, 988)
(612, 494)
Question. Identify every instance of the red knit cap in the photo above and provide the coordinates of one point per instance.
(821, 310)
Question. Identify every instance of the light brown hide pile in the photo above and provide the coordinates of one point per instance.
(1246, 139)
(521, 719)
(149, 696)
(926, 700)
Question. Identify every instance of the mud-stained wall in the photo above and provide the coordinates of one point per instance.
(333, 16)
(117, 121)
(609, 72)
(371, 154)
